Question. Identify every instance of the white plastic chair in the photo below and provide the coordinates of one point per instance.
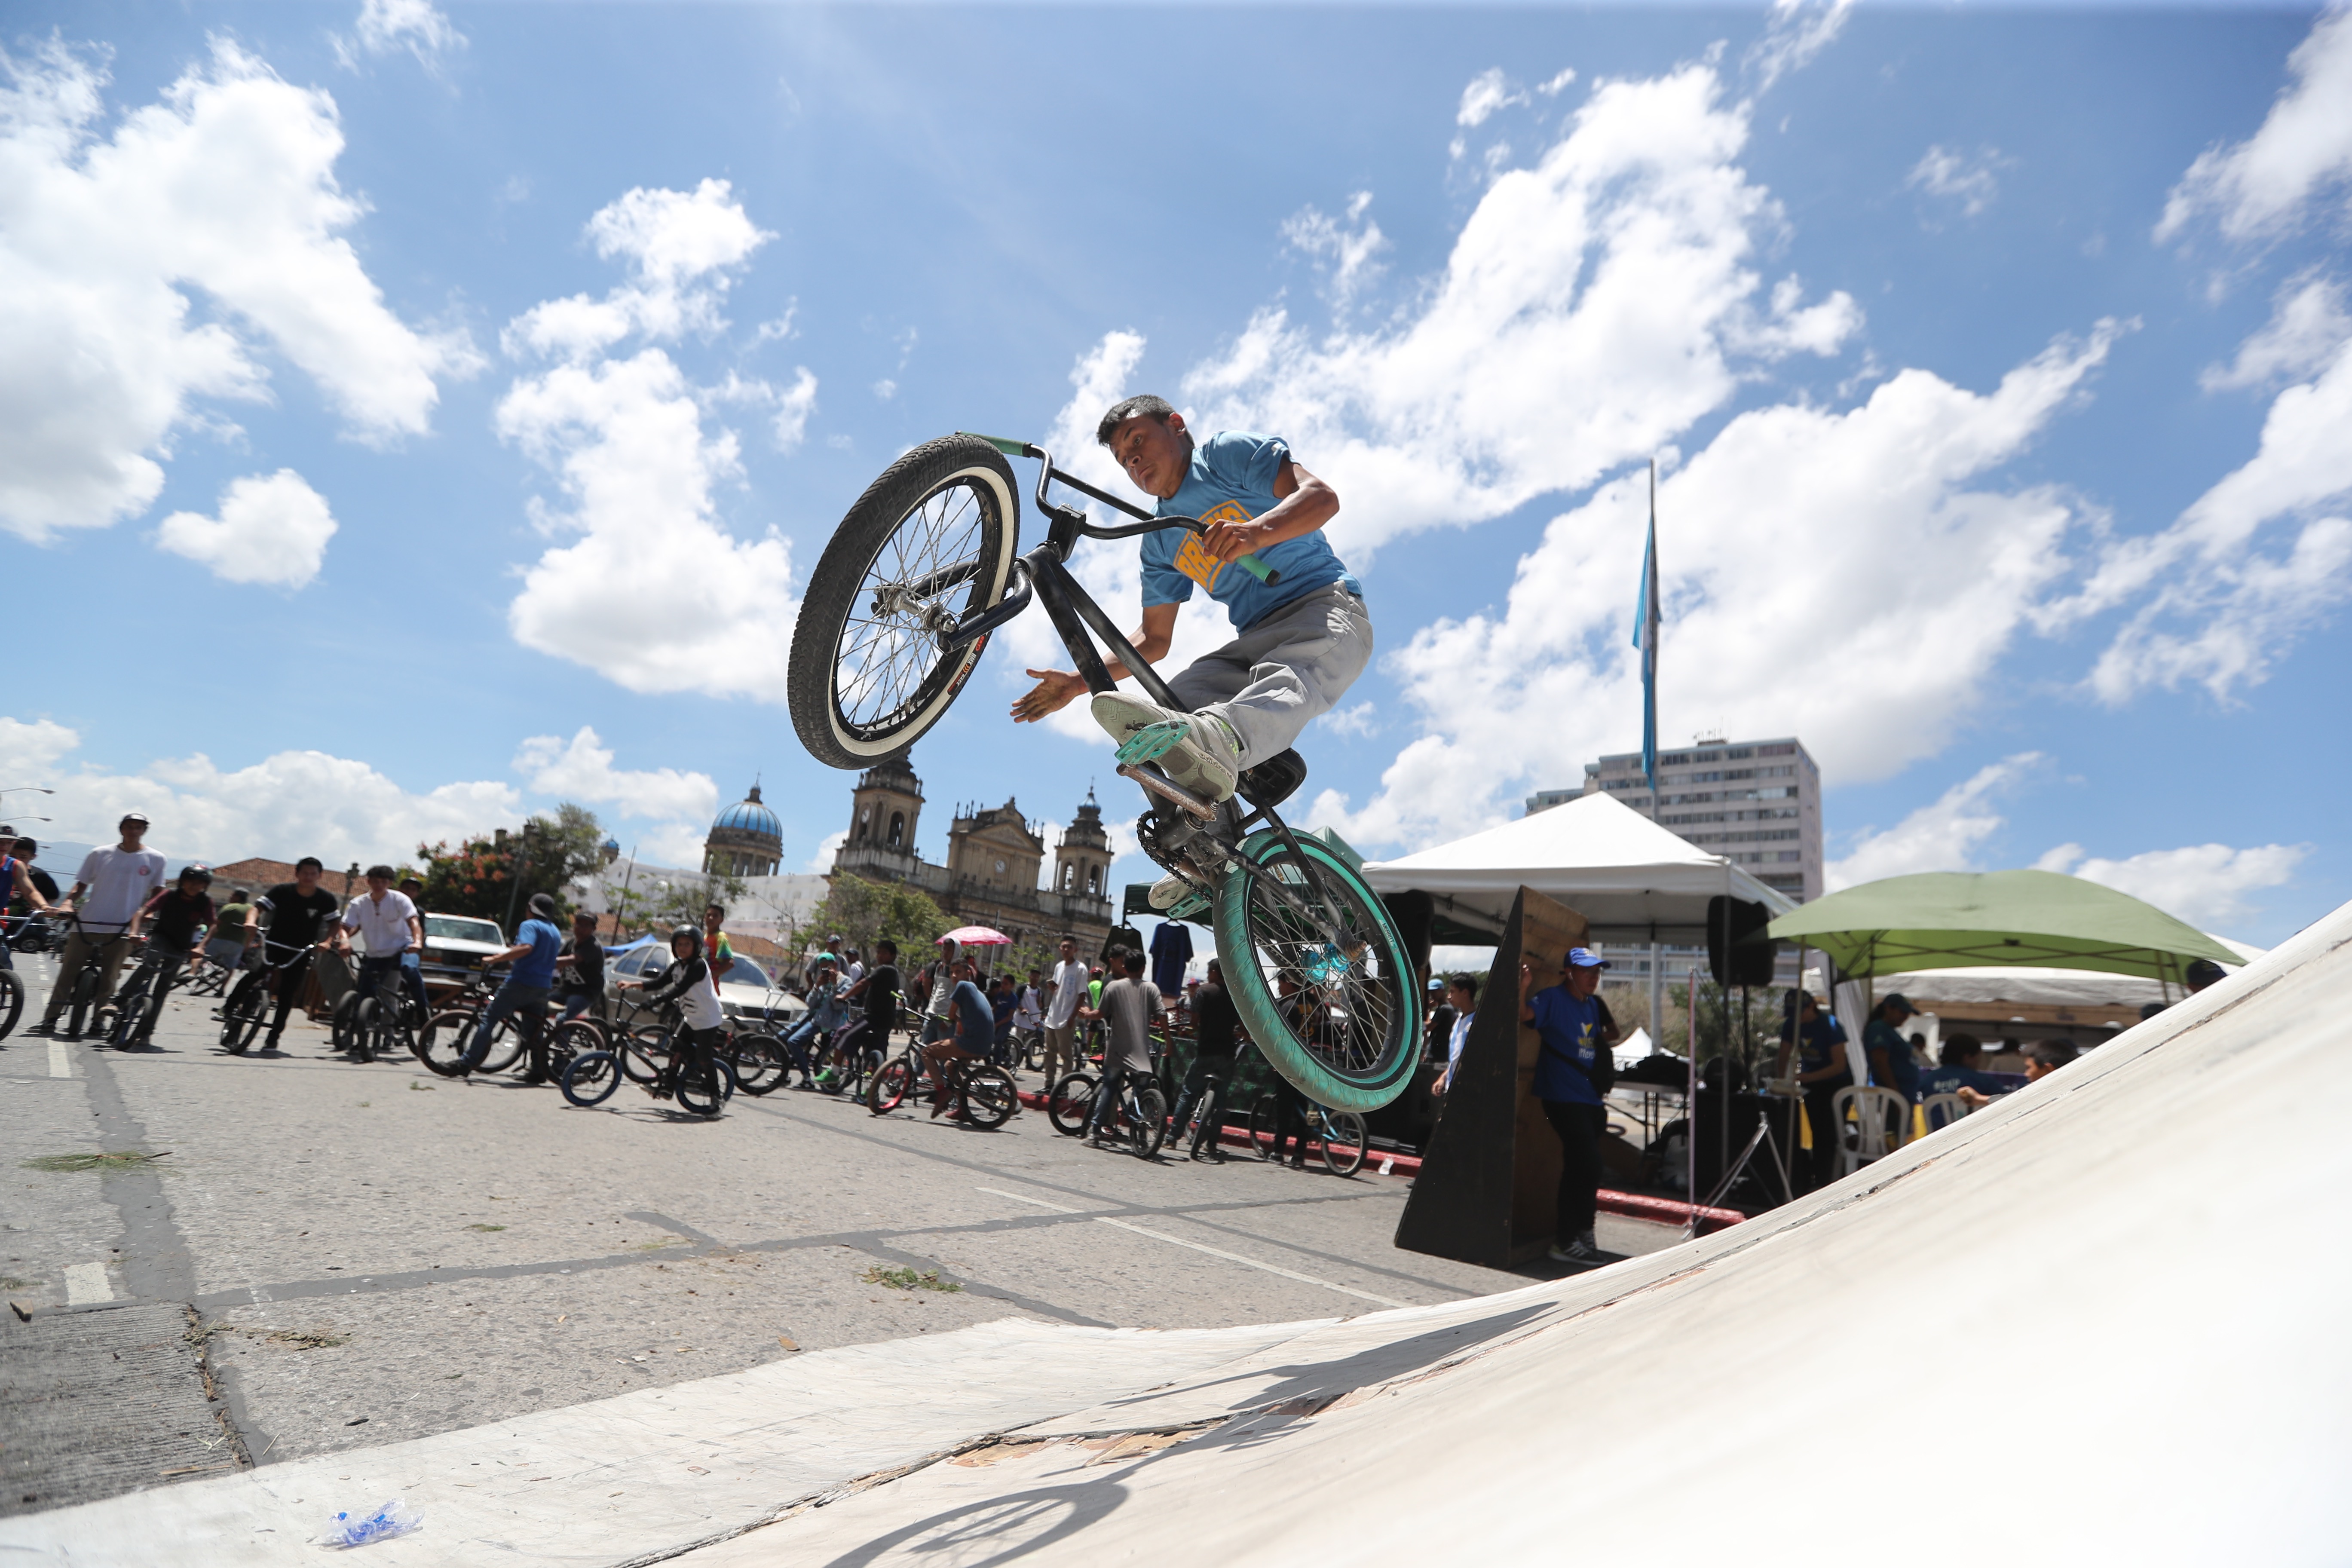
(1876, 1131)
(1943, 1109)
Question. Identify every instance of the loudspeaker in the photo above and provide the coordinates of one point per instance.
(1738, 953)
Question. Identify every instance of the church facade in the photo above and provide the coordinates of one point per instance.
(995, 860)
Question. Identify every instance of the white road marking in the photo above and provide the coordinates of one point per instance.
(1016, 1197)
(1252, 1263)
(61, 1064)
(85, 1282)
(1200, 1246)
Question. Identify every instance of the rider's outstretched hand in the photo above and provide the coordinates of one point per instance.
(1053, 691)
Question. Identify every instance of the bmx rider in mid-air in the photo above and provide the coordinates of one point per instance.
(1299, 643)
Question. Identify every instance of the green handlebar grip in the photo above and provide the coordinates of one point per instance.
(1259, 570)
(1010, 448)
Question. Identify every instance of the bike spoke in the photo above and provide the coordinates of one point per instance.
(889, 654)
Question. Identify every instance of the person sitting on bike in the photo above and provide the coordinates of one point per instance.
(17, 883)
(295, 913)
(702, 1020)
(878, 990)
(971, 1029)
(1301, 641)
(411, 962)
(108, 889)
(1129, 1005)
(389, 926)
(582, 977)
(825, 1014)
(1217, 1039)
(225, 945)
(173, 921)
(534, 954)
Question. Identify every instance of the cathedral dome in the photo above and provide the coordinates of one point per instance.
(747, 840)
(749, 815)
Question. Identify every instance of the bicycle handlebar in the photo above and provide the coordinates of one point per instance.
(1151, 522)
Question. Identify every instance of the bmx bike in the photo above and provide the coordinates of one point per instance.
(924, 569)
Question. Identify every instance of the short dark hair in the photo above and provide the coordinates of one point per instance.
(721, 910)
(2053, 1054)
(1958, 1048)
(1468, 983)
(383, 871)
(1130, 961)
(885, 948)
(1142, 406)
(308, 861)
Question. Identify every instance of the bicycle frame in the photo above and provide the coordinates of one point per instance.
(1044, 574)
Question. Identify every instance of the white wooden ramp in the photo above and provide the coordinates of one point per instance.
(2100, 1322)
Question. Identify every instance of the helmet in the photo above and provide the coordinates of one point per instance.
(692, 933)
(199, 870)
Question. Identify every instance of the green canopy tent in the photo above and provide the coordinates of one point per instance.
(1959, 920)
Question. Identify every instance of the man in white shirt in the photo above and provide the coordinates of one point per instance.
(388, 926)
(111, 886)
(1069, 983)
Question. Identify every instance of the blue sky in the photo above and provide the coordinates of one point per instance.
(1997, 361)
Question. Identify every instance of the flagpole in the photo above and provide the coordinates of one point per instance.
(1647, 635)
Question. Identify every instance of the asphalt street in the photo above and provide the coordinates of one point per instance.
(369, 1253)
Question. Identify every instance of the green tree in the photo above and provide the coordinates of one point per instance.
(493, 874)
(867, 912)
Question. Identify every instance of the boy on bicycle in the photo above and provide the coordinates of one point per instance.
(170, 921)
(1300, 642)
(972, 1027)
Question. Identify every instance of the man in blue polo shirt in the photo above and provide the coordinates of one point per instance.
(1301, 641)
(1570, 1020)
(537, 949)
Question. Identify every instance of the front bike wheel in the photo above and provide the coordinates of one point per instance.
(1266, 1116)
(701, 1093)
(1069, 1104)
(442, 1044)
(591, 1079)
(507, 1045)
(989, 1097)
(890, 1086)
(126, 1021)
(1357, 1042)
(12, 1001)
(1343, 1142)
(241, 1014)
(930, 542)
(762, 1064)
(1209, 1115)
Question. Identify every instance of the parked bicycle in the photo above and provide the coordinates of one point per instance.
(924, 570)
(1140, 1118)
(982, 1092)
(1338, 1135)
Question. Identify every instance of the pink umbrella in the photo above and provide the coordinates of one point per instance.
(978, 936)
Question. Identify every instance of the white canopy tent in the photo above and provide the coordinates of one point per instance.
(1633, 880)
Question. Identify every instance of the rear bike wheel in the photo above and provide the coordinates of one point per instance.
(12, 1001)
(344, 1020)
(84, 998)
(506, 1044)
(890, 1086)
(762, 1064)
(441, 1045)
(929, 543)
(1150, 1128)
(989, 1097)
(1069, 1104)
(701, 1093)
(1265, 1117)
(1329, 934)
(591, 1079)
(1342, 1142)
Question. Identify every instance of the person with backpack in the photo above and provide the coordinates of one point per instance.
(1573, 1069)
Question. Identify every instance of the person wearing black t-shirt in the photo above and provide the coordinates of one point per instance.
(582, 978)
(1216, 1037)
(880, 991)
(298, 910)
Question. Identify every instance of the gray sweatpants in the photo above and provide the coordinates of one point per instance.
(1268, 682)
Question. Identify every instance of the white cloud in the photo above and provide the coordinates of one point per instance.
(886, 389)
(1943, 836)
(284, 806)
(29, 748)
(272, 528)
(654, 594)
(2213, 606)
(1959, 178)
(1345, 251)
(830, 844)
(1797, 32)
(2261, 187)
(1914, 581)
(1608, 286)
(226, 186)
(1488, 92)
(793, 408)
(384, 25)
(2307, 326)
(581, 769)
(2204, 884)
(1358, 719)
(1560, 79)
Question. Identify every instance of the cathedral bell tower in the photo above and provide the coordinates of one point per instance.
(1082, 859)
(884, 807)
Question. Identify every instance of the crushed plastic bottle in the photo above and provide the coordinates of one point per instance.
(395, 1518)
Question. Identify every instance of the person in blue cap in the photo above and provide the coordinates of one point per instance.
(1575, 1029)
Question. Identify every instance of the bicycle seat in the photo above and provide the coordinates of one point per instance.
(1273, 781)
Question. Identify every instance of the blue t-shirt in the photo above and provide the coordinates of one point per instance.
(1569, 1050)
(1232, 480)
(1902, 1066)
(975, 1021)
(537, 967)
(1818, 1043)
(1951, 1079)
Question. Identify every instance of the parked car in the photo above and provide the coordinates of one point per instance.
(455, 945)
(745, 992)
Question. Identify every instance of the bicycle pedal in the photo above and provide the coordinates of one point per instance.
(1153, 742)
(1185, 907)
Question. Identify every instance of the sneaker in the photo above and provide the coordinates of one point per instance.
(1177, 898)
(44, 1028)
(1577, 1251)
(1198, 751)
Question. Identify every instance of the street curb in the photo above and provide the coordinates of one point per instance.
(1631, 1205)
